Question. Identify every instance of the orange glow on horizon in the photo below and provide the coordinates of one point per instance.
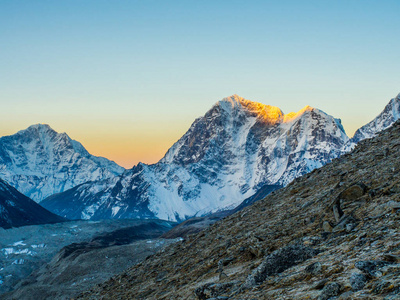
(128, 141)
(130, 156)
(128, 148)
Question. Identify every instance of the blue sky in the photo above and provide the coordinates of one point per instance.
(127, 78)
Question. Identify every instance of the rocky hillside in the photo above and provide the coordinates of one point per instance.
(331, 233)
(40, 162)
(236, 148)
(18, 210)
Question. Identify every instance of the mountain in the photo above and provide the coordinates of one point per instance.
(40, 162)
(385, 119)
(18, 210)
(236, 148)
(330, 234)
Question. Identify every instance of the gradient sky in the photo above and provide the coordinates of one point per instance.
(127, 78)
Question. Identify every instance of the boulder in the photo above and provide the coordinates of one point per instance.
(358, 281)
(353, 192)
(330, 290)
(278, 261)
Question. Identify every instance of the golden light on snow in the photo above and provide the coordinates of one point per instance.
(293, 115)
(270, 114)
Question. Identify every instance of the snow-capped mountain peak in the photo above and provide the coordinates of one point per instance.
(39, 162)
(237, 147)
(385, 119)
(269, 113)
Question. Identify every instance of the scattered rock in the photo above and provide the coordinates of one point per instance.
(347, 223)
(225, 262)
(222, 276)
(391, 258)
(358, 281)
(320, 284)
(382, 286)
(371, 268)
(327, 227)
(214, 290)
(346, 295)
(353, 192)
(278, 261)
(314, 269)
(330, 290)
(337, 211)
(311, 240)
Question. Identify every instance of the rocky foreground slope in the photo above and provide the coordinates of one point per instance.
(331, 233)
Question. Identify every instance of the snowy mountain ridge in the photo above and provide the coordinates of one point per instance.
(385, 119)
(237, 147)
(40, 162)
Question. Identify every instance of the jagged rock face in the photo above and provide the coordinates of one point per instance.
(385, 119)
(236, 148)
(40, 162)
(358, 259)
(18, 210)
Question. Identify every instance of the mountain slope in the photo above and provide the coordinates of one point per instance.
(26, 254)
(40, 162)
(18, 210)
(236, 148)
(332, 232)
(385, 119)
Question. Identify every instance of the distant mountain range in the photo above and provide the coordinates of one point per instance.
(40, 162)
(384, 120)
(18, 210)
(331, 234)
(237, 148)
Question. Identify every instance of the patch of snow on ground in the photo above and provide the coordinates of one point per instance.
(19, 243)
(18, 262)
(8, 251)
(89, 211)
(115, 210)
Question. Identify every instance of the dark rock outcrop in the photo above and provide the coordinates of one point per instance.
(18, 210)
(278, 261)
(358, 281)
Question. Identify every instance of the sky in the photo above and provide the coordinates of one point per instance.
(127, 78)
